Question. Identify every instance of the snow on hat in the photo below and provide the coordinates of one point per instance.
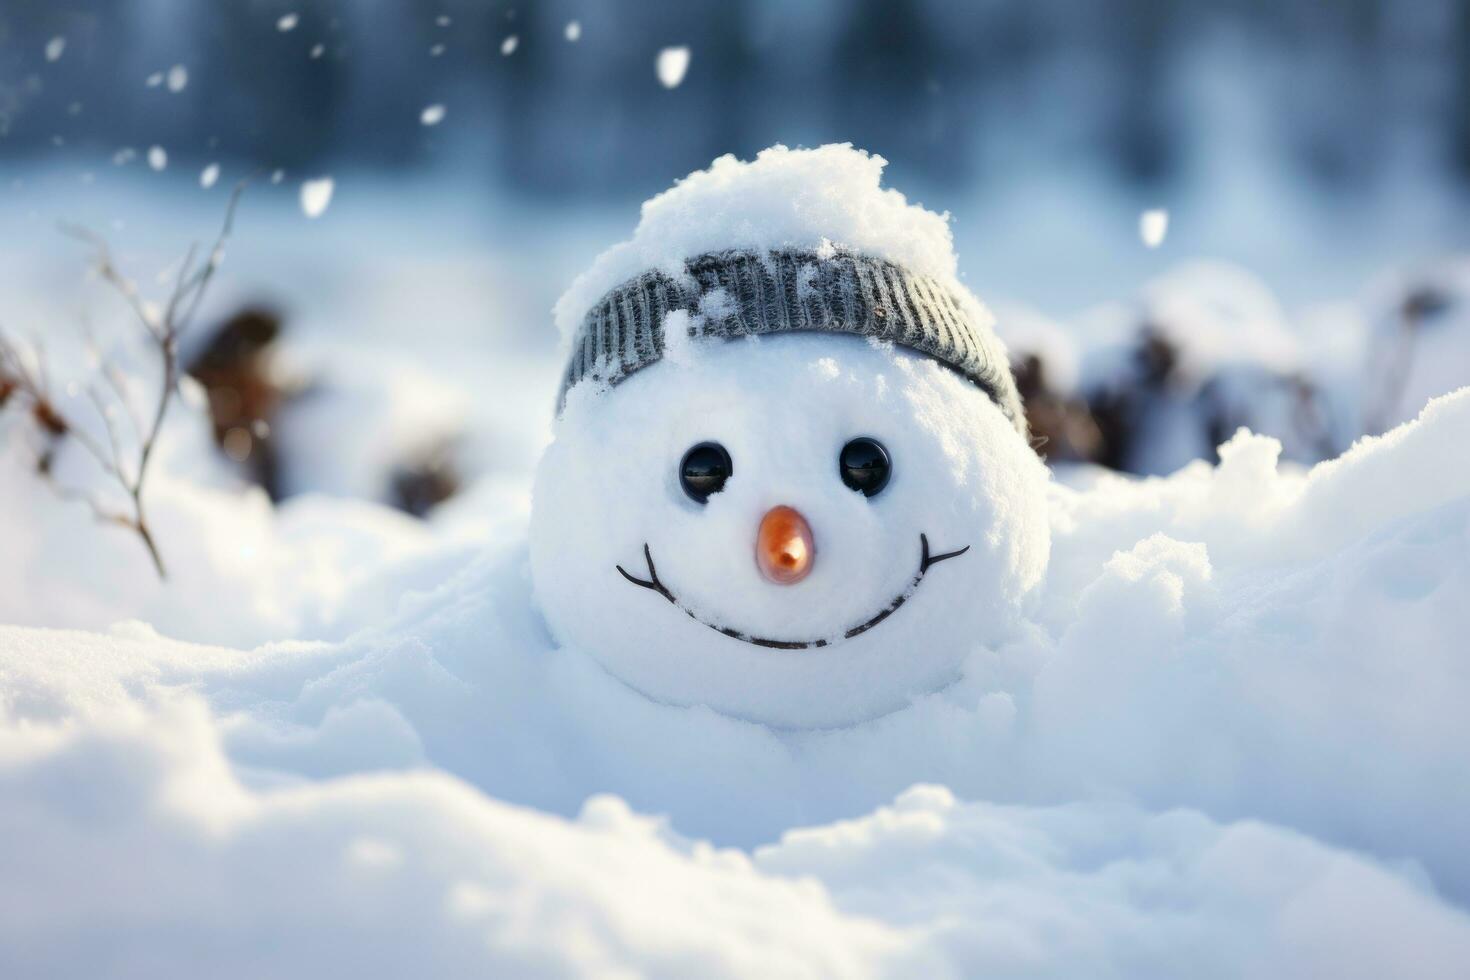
(747, 249)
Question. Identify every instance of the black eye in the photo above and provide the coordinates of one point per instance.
(704, 470)
(864, 466)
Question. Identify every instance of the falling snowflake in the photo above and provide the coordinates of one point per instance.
(436, 51)
(157, 157)
(317, 50)
(432, 115)
(287, 23)
(1153, 225)
(55, 47)
(671, 65)
(154, 80)
(315, 196)
(123, 156)
(208, 176)
(442, 20)
(237, 444)
(277, 176)
(574, 31)
(508, 46)
(178, 77)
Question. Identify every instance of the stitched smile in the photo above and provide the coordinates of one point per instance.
(926, 561)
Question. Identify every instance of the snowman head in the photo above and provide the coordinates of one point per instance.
(788, 483)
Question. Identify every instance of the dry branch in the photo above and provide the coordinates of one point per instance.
(28, 385)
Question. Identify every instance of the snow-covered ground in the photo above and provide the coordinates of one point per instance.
(1232, 743)
(1229, 738)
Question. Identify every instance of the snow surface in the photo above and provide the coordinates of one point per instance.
(1220, 749)
(1227, 738)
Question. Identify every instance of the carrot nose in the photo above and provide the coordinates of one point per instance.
(783, 547)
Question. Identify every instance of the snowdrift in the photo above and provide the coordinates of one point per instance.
(1229, 740)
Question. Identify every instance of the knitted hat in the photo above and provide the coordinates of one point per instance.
(743, 293)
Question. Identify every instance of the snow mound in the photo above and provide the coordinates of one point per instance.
(784, 198)
(1218, 748)
(130, 847)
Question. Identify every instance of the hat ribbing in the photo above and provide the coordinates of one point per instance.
(747, 293)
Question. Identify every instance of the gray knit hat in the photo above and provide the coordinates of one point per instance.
(742, 293)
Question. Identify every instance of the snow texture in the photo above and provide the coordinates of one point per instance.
(1219, 748)
(1215, 728)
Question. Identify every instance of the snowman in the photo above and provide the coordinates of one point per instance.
(790, 480)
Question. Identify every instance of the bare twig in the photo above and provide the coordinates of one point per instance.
(115, 381)
(164, 330)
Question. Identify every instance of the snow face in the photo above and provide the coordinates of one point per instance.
(783, 408)
(878, 620)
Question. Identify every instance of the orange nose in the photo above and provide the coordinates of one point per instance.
(783, 547)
